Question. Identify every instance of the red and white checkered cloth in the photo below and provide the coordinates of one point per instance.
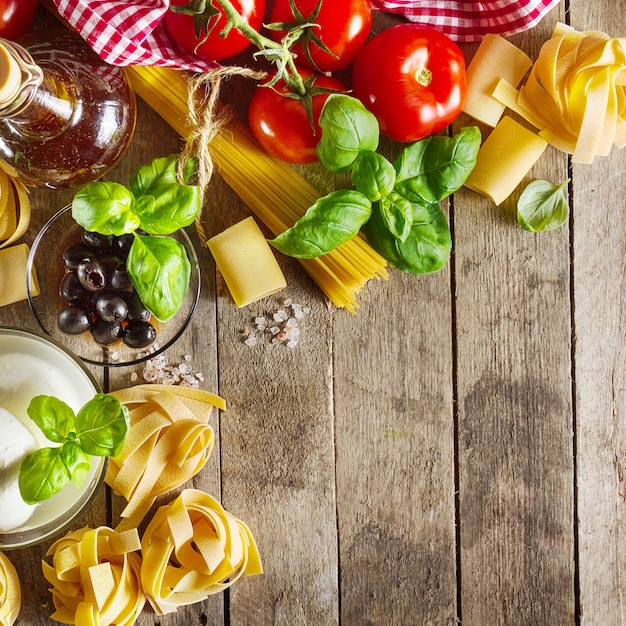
(470, 21)
(127, 32)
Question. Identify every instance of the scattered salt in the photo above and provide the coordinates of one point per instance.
(158, 370)
(282, 325)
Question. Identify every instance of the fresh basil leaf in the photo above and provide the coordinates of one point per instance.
(332, 220)
(160, 172)
(172, 207)
(161, 201)
(373, 175)
(53, 416)
(106, 208)
(542, 206)
(432, 168)
(102, 425)
(397, 215)
(76, 461)
(159, 270)
(42, 474)
(426, 249)
(347, 129)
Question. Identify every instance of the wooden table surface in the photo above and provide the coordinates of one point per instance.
(454, 452)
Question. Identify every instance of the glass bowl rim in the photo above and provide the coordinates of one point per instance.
(150, 353)
(34, 536)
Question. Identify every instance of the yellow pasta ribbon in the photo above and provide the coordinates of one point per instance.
(96, 577)
(14, 206)
(169, 442)
(10, 592)
(575, 93)
(193, 548)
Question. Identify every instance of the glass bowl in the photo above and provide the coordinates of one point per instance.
(46, 256)
(32, 364)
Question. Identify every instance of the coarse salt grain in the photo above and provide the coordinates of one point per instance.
(282, 325)
(158, 370)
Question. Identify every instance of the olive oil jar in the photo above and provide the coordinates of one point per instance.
(66, 116)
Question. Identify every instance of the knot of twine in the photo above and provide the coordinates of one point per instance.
(206, 119)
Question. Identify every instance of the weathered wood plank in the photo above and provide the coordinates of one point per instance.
(395, 453)
(277, 451)
(600, 363)
(515, 451)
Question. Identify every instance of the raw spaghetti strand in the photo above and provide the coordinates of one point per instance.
(206, 120)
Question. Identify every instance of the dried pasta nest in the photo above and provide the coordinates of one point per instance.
(169, 442)
(96, 577)
(193, 548)
(14, 206)
(10, 592)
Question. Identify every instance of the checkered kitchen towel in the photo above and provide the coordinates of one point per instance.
(470, 21)
(130, 32)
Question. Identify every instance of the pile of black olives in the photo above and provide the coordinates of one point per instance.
(99, 296)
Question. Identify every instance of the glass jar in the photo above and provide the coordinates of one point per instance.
(66, 116)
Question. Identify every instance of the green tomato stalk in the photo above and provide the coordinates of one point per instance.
(278, 53)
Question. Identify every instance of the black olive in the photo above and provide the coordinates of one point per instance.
(111, 308)
(111, 261)
(96, 240)
(106, 333)
(122, 243)
(74, 320)
(91, 274)
(136, 309)
(139, 334)
(75, 254)
(71, 289)
(120, 280)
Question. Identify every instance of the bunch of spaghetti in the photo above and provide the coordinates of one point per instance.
(272, 189)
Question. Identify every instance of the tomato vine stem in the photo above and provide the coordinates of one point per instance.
(278, 53)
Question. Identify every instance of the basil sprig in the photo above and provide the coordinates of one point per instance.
(98, 429)
(396, 204)
(158, 204)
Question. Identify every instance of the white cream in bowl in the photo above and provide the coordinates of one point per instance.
(31, 366)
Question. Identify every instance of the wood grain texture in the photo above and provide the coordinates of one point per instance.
(515, 443)
(395, 454)
(599, 253)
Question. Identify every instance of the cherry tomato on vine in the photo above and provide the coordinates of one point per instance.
(280, 123)
(412, 78)
(16, 17)
(214, 48)
(343, 27)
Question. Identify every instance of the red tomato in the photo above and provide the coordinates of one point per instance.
(16, 17)
(343, 27)
(412, 78)
(280, 124)
(214, 48)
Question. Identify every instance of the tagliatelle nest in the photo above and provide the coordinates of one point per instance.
(193, 548)
(96, 577)
(169, 442)
(10, 592)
